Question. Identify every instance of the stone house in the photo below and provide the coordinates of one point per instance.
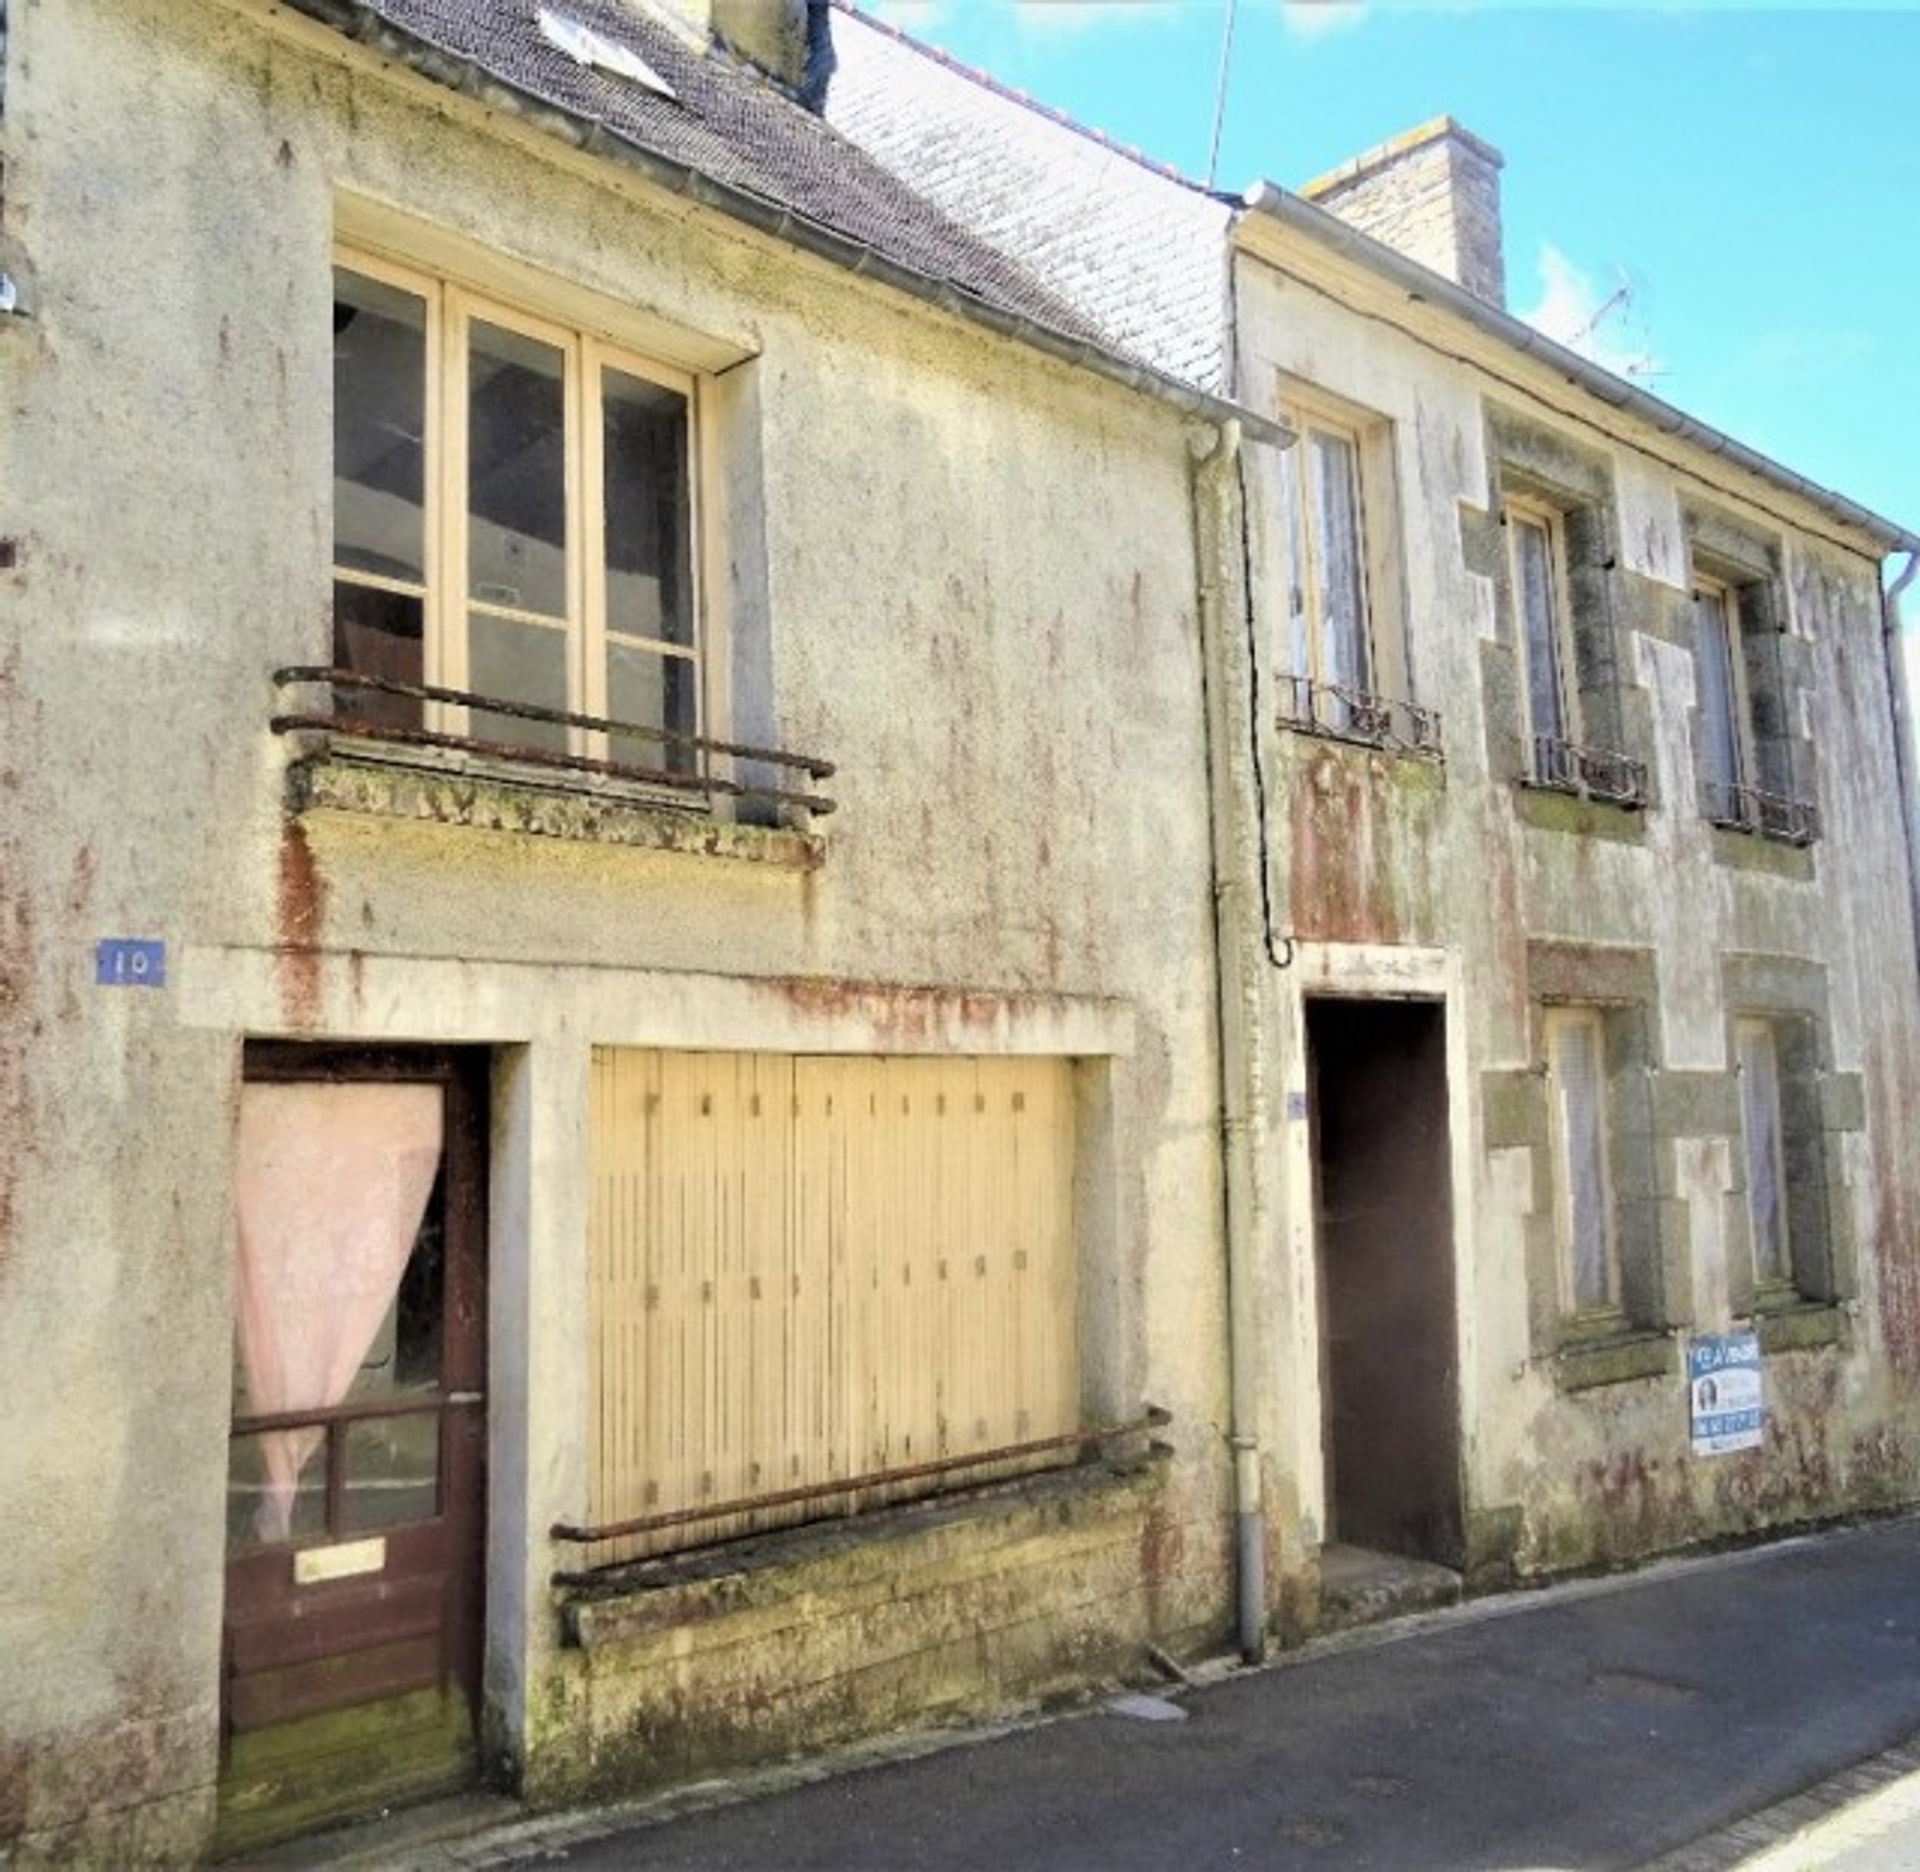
(608, 943)
(1573, 970)
(691, 1065)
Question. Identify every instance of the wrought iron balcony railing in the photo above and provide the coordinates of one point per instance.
(1753, 809)
(349, 707)
(1593, 773)
(1345, 714)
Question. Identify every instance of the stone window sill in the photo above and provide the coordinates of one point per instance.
(1802, 1326)
(495, 796)
(1741, 848)
(644, 1596)
(1550, 808)
(1623, 1356)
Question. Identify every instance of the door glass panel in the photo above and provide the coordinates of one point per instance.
(516, 469)
(392, 1471)
(648, 518)
(658, 692)
(518, 662)
(332, 1182)
(264, 1501)
(379, 428)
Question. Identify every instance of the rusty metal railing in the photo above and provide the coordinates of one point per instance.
(1594, 773)
(1753, 809)
(701, 786)
(853, 1488)
(1348, 714)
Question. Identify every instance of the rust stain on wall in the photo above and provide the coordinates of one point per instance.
(1360, 825)
(301, 908)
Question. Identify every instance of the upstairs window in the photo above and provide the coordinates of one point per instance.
(1583, 1192)
(1726, 756)
(514, 520)
(1538, 548)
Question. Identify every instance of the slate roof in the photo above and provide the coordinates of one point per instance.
(1139, 248)
(726, 120)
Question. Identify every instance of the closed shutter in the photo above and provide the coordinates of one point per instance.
(807, 1270)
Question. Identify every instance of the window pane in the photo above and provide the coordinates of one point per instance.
(1760, 1120)
(405, 1351)
(379, 427)
(378, 633)
(1336, 520)
(1713, 672)
(514, 662)
(516, 472)
(657, 692)
(648, 517)
(276, 1488)
(1297, 570)
(392, 1471)
(1533, 556)
(1578, 1075)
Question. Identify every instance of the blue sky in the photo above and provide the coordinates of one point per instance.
(1750, 175)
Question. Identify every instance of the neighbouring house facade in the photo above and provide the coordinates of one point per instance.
(1578, 1003)
(608, 933)
(791, 944)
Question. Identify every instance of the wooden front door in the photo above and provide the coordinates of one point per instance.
(355, 1500)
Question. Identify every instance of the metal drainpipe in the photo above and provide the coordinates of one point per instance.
(1902, 726)
(1238, 978)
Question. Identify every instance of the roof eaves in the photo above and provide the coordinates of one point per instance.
(362, 22)
(1278, 204)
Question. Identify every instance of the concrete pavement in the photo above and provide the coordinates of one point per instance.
(1602, 1725)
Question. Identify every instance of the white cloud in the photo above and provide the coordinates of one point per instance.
(1321, 19)
(1603, 326)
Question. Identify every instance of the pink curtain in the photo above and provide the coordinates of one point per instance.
(332, 1183)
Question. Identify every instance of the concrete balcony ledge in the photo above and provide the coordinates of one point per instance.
(495, 798)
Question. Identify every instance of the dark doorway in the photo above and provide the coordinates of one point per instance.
(355, 1503)
(1385, 1226)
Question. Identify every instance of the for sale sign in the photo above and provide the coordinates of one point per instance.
(1723, 1389)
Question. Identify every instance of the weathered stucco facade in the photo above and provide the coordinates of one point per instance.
(909, 536)
(1035, 603)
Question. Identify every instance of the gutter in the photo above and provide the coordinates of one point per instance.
(1274, 203)
(360, 22)
(1239, 980)
(1903, 748)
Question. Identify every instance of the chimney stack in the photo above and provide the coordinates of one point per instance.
(1432, 194)
(776, 35)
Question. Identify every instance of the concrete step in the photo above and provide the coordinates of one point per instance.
(1360, 1586)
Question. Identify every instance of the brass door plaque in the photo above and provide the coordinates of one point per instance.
(318, 1564)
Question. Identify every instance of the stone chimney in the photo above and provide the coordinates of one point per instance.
(774, 34)
(1433, 195)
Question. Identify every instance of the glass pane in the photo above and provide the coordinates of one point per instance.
(1713, 672)
(1336, 492)
(1298, 647)
(276, 1489)
(1578, 1071)
(1760, 1115)
(648, 516)
(516, 662)
(657, 692)
(516, 472)
(1533, 555)
(392, 1471)
(379, 427)
(378, 633)
(404, 1354)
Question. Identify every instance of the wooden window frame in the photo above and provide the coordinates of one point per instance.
(1739, 703)
(1519, 512)
(1610, 1313)
(451, 308)
(1305, 418)
(1770, 1289)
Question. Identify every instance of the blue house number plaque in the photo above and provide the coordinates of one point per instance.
(129, 962)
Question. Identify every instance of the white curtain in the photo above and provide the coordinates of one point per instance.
(332, 1182)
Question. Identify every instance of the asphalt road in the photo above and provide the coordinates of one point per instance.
(1564, 1732)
